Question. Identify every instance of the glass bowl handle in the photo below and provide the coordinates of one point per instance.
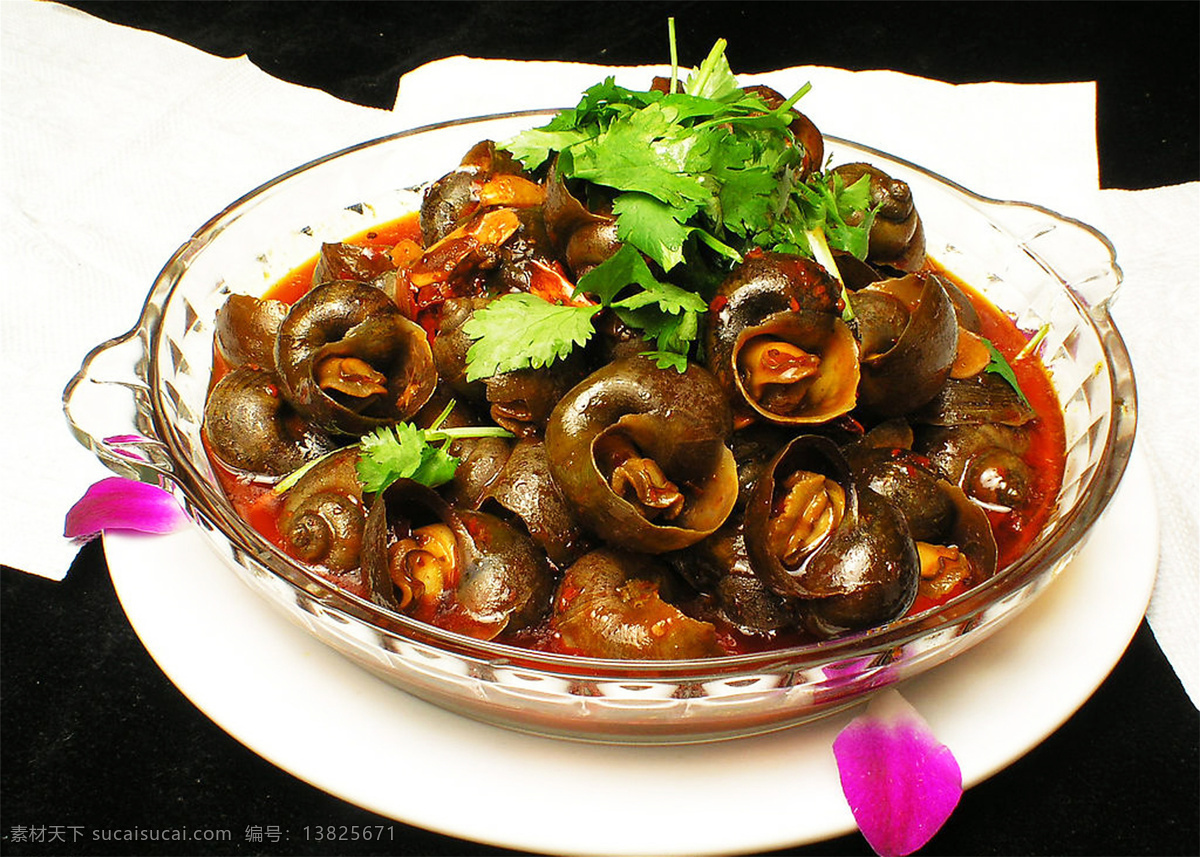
(1078, 255)
(108, 408)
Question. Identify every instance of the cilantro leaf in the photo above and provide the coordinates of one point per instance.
(519, 331)
(857, 197)
(627, 267)
(668, 360)
(600, 105)
(672, 333)
(998, 365)
(533, 147)
(645, 151)
(663, 310)
(750, 189)
(826, 206)
(687, 107)
(602, 101)
(710, 167)
(847, 201)
(653, 226)
(402, 452)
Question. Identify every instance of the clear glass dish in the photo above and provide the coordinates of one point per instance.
(1035, 265)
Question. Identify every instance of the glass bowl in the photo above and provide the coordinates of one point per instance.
(1040, 268)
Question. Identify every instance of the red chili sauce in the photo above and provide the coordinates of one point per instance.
(1015, 531)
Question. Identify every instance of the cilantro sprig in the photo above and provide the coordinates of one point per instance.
(666, 313)
(710, 166)
(404, 451)
(518, 331)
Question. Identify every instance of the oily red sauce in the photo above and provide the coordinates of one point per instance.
(256, 503)
(382, 238)
(1015, 531)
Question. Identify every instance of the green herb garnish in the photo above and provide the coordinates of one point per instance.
(713, 163)
(998, 365)
(1032, 345)
(666, 312)
(404, 451)
(820, 252)
(519, 331)
(711, 168)
(285, 484)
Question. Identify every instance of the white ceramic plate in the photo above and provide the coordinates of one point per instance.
(270, 685)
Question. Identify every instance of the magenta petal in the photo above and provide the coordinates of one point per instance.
(125, 438)
(124, 504)
(121, 440)
(900, 781)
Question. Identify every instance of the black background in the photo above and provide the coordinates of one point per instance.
(95, 736)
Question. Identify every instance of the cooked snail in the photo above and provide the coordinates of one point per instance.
(251, 426)
(640, 454)
(246, 328)
(777, 345)
(812, 532)
(323, 515)
(350, 361)
(460, 569)
(615, 604)
(909, 332)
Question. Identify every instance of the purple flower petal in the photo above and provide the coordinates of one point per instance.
(123, 504)
(854, 676)
(900, 781)
(121, 440)
(126, 438)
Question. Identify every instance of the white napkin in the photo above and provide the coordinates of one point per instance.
(1158, 314)
(117, 144)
